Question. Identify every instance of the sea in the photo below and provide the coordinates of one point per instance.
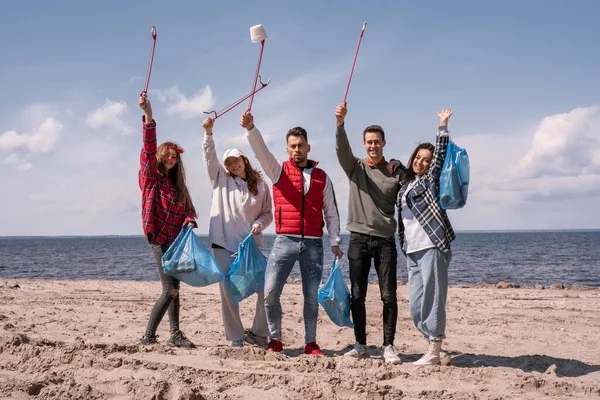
(520, 257)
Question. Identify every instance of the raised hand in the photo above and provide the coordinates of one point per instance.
(145, 105)
(208, 125)
(444, 116)
(340, 114)
(247, 121)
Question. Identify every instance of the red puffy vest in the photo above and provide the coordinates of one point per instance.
(296, 213)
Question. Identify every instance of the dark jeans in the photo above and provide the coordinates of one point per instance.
(166, 301)
(383, 251)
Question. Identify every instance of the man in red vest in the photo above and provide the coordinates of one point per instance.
(303, 196)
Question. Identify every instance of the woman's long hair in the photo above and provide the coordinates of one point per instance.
(410, 172)
(253, 176)
(176, 175)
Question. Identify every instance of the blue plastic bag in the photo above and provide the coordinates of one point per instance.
(334, 297)
(246, 275)
(454, 179)
(188, 260)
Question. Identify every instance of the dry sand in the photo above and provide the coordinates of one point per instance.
(79, 340)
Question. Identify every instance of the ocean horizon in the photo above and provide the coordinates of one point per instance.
(546, 257)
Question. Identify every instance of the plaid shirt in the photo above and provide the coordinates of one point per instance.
(162, 217)
(423, 200)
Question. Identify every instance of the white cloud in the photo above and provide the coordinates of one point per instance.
(301, 86)
(42, 140)
(110, 115)
(564, 145)
(181, 105)
(11, 159)
(26, 166)
(533, 179)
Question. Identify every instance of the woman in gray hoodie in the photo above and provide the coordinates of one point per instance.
(241, 203)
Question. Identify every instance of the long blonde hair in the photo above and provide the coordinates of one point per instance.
(175, 174)
(253, 176)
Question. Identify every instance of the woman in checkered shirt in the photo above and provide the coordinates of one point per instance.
(166, 209)
(425, 235)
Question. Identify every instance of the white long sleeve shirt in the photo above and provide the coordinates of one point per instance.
(234, 208)
(273, 169)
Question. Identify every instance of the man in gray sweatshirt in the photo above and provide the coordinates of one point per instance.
(373, 193)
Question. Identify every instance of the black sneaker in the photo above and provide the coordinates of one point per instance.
(148, 340)
(178, 339)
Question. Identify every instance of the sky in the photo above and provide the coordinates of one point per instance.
(521, 77)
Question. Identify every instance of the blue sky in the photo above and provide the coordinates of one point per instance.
(520, 75)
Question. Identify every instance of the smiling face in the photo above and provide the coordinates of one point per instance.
(374, 144)
(236, 166)
(169, 158)
(422, 161)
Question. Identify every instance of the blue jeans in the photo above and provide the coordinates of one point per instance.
(284, 254)
(428, 290)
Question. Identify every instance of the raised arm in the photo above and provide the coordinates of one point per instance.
(342, 146)
(148, 169)
(441, 145)
(211, 160)
(267, 160)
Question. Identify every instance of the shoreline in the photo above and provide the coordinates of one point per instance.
(4, 282)
(69, 339)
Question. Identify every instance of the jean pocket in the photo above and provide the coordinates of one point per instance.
(391, 239)
(318, 242)
(354, 237)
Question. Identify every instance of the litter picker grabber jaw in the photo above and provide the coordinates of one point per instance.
(225, 110)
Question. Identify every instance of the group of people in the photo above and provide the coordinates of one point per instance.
(303, 202)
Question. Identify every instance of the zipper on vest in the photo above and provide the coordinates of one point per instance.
(280, 217)
(302, 216)
(303, 199)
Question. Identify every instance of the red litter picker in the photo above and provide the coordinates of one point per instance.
(257, 34)
(362, 32)
(149, 71)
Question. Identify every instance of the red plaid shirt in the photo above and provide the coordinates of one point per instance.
(162, 217)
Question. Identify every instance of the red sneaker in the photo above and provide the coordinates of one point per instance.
(313, 348)
(275, 345)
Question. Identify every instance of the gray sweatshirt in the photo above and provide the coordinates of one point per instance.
(373, 192)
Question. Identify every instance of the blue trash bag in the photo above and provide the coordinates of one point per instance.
(334, 297)
(454, 179)
(246, 275)
(188, 260)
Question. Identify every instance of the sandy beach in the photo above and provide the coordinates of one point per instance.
(79, 340)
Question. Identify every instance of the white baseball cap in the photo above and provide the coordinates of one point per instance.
(231, 153)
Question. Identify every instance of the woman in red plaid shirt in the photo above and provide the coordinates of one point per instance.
(166, 209)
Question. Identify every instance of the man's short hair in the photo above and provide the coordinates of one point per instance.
(374, 129)
(297, 131)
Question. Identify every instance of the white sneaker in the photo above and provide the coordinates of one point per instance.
(238, 344)
(390, 355)
(434, 355)
(359, 351)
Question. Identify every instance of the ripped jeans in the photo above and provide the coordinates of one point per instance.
(284, 254)
(166, 301)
